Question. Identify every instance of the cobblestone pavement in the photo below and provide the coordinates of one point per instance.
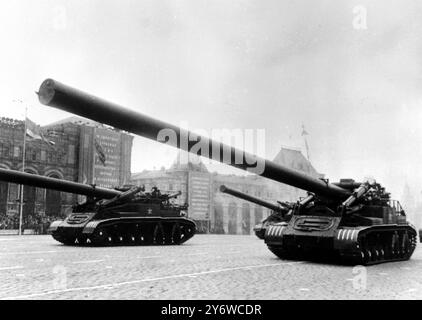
(206, 267)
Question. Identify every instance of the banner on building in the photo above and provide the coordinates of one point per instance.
(100, 152)
(199, 195)
(33, 132)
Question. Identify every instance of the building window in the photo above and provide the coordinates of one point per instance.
(16, 152)
(6, 151)
(43, 155)
(52, 157)
(71, 154)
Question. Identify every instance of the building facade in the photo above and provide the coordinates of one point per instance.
(72, 150)
(217, 212)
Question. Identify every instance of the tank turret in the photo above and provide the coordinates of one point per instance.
(126, 215)
(357, 223)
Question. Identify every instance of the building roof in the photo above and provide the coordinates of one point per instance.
(293, 158)
(74, 120)
(188, 162)
(150, 174)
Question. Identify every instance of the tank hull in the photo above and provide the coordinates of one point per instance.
(125, 231)
(345, 245)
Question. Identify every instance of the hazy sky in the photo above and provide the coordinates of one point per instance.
(236, 64)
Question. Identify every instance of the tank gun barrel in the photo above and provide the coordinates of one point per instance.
(33, 180)
(61, 96)
(174, 195)
(252, 199)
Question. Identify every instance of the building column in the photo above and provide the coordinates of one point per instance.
(239, 219)
(225, 217)
(252, 209)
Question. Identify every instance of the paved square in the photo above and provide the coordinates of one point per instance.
(206, 267)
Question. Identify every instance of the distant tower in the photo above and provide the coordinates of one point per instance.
(408, 202)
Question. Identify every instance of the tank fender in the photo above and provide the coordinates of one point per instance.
(275, 231)
(346, 238)
(54, 225)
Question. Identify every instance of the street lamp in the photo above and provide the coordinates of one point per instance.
(23, 168)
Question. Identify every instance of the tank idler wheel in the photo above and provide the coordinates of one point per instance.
(279, 252)
(176, 235)
(68, 241)
(189, 231)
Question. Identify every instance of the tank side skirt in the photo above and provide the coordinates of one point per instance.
(130, 231)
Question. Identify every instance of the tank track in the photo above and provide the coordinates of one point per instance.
(374, 246)
(383, 245)
(153, 232)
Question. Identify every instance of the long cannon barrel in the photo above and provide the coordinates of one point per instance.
(56, 184)
(58, 95)
(249, 198)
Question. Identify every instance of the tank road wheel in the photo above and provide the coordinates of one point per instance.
(167, 231)
(176, 234)
(362, 258)
(100, 237)
(405, 244)
(365, 252)
(394, 245)
(81, 239)
(138, 234)
(381, 253)
(145, 233)
(158, 235)
(368, 256)
(133, 234)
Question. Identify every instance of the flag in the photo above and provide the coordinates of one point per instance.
(34, 132)
(100, 152)
(304, 132)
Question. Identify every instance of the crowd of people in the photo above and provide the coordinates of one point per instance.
(38, 225)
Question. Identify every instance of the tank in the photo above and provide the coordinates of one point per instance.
(120, 216)
(280, 212)
(350, 222)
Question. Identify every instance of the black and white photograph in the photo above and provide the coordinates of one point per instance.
(206, 150)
